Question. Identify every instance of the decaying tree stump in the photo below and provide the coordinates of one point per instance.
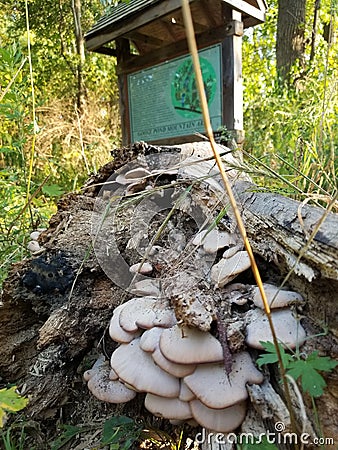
(56, 305)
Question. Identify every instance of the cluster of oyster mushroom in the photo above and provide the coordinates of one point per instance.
(181, 369)
(174, 341)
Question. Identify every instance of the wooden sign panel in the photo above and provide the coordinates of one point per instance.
(164, 102)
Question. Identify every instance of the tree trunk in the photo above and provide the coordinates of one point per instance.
(314, 29)
(290, 36)
(80, 51)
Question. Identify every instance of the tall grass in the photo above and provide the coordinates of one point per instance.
(292, 129)
(43, 157)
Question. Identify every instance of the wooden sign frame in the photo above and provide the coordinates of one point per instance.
(229, 40)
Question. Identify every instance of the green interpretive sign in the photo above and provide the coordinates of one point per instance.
(164, 101)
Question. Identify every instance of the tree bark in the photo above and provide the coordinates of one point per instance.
(80, 51)
(314, 29)
(290, 36)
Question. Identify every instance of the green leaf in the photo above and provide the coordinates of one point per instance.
(120, 432)
(70, 432)
(262, 445)
(6, 150)
(323, 363)
(312, 381)
(53, 190)
(271, 356)
(307, 370)
(5, 55)
(10, 401)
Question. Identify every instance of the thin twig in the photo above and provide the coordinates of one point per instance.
(23, 62)
(31, 159)
(81, 142)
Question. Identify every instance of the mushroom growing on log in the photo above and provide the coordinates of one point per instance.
(48, 335)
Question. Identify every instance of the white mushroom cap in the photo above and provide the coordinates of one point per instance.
(144, 268)
(232, 251)
(116, 332)
(168, 408)
(103, 388)
(110, 391)
(288, 330)
(213, 387)
(199, 238)
(150, 339)
(88, 374)
(282, 299)
(186, 395)
(99, 363)
(136, 174)
(33, 246)
(132, 176)
(219, 420)
(165, 318)
(216, 240)
(121, 179)
(227, 269)
(213, 240)
(138, 369)
(137, 313)
(178, 370)
(185, 345)
(147, 287)
(149, 342)
(34, 235)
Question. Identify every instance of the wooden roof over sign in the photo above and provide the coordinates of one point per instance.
(153, 24)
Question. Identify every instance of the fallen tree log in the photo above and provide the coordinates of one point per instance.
(56, 305)
(279, 229)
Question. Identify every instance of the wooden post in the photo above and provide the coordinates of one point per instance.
(123, 54)
(232, 77)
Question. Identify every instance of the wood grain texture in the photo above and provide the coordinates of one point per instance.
(280, 227)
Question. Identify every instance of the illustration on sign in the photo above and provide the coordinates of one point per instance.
(184, 91)
(164, 102)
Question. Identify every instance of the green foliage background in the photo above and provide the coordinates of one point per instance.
(63, 145)
(291, 131)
